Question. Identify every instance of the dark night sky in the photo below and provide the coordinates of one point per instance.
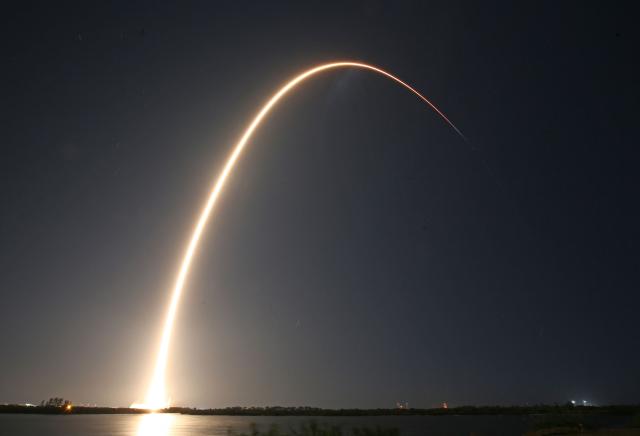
(362, 253)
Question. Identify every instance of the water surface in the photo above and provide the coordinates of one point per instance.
(186, 425)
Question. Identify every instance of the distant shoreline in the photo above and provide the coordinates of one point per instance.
(620, 410)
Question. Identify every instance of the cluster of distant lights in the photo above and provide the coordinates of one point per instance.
(584, 403)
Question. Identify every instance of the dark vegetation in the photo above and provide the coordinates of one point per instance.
(54, 410)
(620, 410)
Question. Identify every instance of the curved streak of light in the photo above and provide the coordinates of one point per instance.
(156, 396)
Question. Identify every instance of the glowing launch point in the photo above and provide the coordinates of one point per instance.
(156, 397)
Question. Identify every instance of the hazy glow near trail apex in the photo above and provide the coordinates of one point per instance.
(156, 397)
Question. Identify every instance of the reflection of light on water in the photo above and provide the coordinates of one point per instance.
(155, 424)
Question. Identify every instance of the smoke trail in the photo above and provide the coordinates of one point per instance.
(156, 396)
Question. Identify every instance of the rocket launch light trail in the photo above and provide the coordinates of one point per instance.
(156, 397)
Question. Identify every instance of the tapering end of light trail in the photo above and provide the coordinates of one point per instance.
(156, 397)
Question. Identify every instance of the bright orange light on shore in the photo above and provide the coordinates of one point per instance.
(156, 397)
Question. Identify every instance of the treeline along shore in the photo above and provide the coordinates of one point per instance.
(620, 410)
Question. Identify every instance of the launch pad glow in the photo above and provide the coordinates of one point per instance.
(157, 397)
